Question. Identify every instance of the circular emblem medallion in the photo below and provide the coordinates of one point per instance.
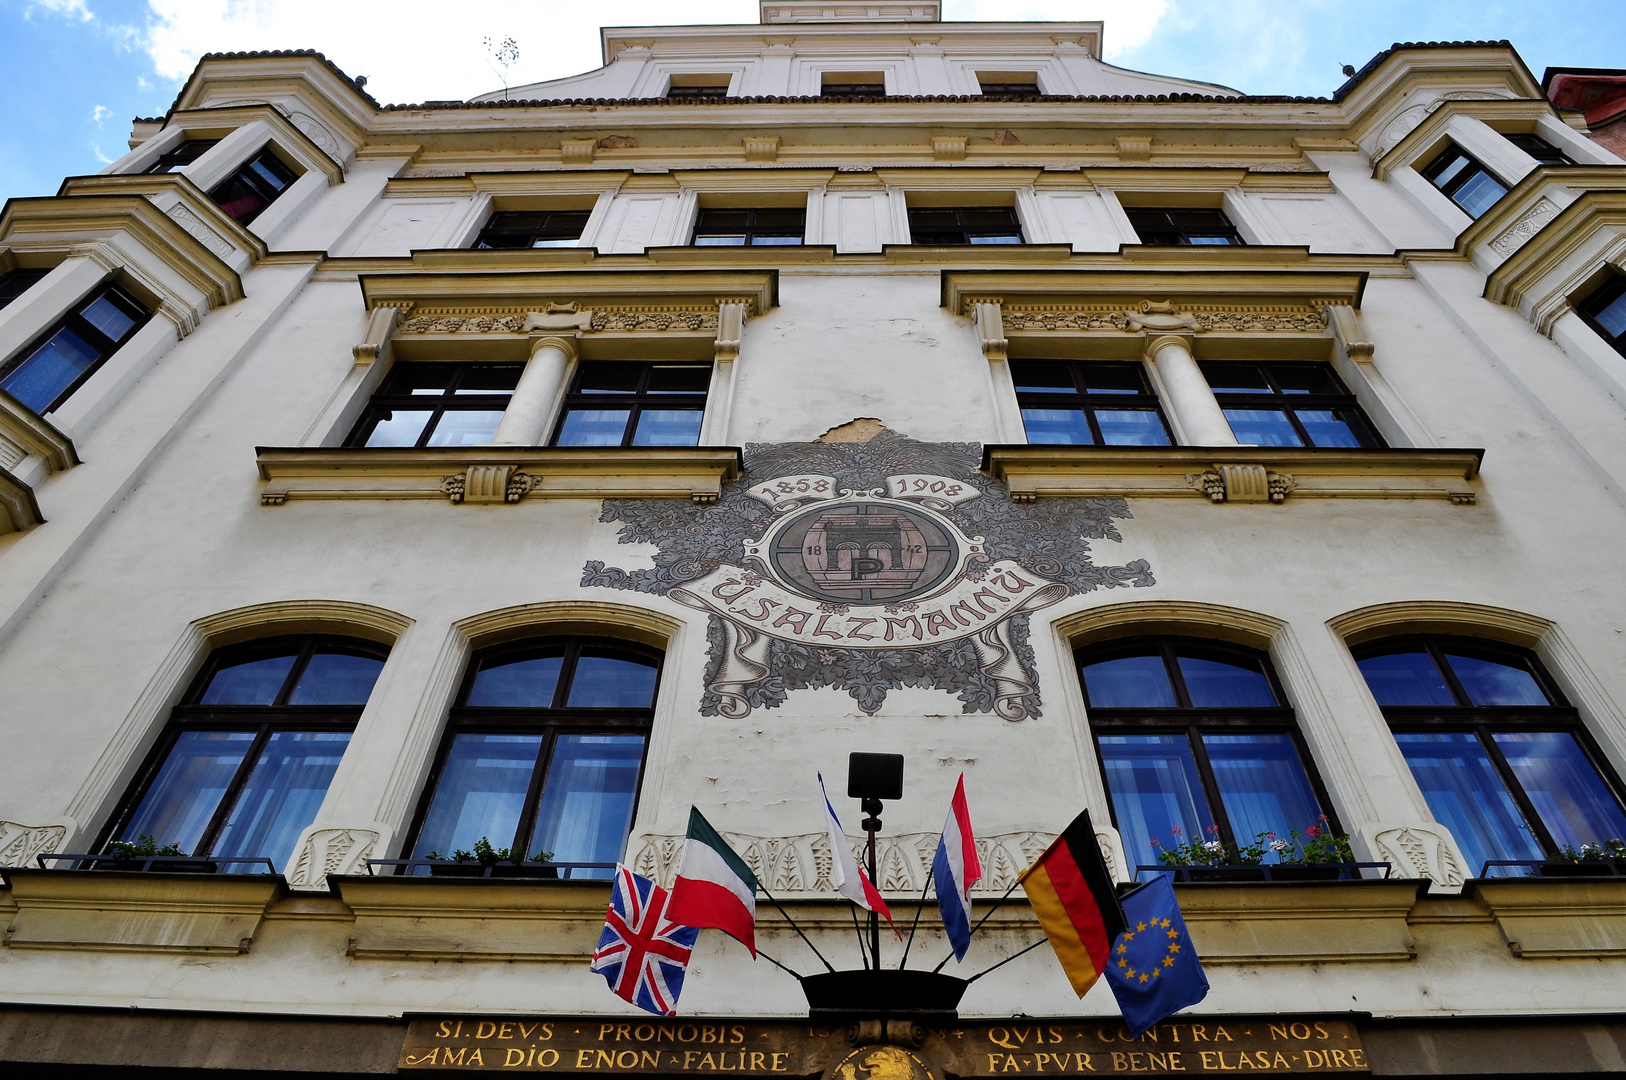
(864, 552)
(880, 1063)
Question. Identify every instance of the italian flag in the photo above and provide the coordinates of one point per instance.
(714, 887)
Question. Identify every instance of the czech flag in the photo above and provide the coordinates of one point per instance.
(954, 870)
(849, 878)
(1073, 897)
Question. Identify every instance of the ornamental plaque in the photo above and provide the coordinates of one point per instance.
(616, 1046)
(867, 567)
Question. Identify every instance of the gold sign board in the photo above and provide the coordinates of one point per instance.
(973, 1049)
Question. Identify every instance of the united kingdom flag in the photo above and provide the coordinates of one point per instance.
(642, 954)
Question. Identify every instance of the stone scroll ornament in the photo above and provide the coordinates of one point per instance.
(867, 567)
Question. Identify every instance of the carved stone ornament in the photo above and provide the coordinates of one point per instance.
(200, 232)
(1529, 224)
(1243, 483)
(654, 318)
(331, 851)
(867, 567)
(489, 484)
(880, 1062)
(1164, 317)
(1417, 851)
(20, 845)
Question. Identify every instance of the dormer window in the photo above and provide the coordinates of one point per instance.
(255, 186)
(508, 229)
(1464, 181)
(698, 88)
(183, 155)
(1008, 84)
(853, 84)
(1539, 148)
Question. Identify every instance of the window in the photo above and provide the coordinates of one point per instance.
(250, 751)
(941, 225)
(1008, 85)
(543, 754)
(253, 187)
(1605, 311)
(1195, 745)
(53, 366)
(853, 84)
(437, 405)
(16, 282)
(777, 226)
(698, 91)
(622, 403)
(183, 155)
(1288, 405)
(532, 229)
(1539, 148)
(1177, 227)
(1464, 181)
(1503, 761)
(1088, 404)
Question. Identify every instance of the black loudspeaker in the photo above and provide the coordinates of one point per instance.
(875, 776)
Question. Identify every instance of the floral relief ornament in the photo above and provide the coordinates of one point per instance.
(868, 567)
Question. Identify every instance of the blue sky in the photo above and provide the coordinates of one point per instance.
(77, 71)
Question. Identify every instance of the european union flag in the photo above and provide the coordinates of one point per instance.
(1154, 970)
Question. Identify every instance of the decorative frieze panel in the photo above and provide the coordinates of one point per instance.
(1309, 318)
(656, 318)
(1529, 224)
(1417, 851)
(20, 844)
(796, 865)
(332, 851)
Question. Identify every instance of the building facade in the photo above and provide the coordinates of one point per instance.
(412, 511)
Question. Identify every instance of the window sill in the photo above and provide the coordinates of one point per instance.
(1233, 473)
(19, 511)
(120, 911)
(31, 446)
(426, 918)
(1565, 918)
(1301, 922)
(496, 474)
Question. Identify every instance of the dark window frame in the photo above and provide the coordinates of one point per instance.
(548, 722)
(1607, 292)
(1191, 722)
(634, 401)
(498, 227)
(386, 400)
(1459, 180)
(185, 153)
(1543, 151)
(750, 230)
(697, 91)
(964, 230)
(1027, 91)
(1080, 398)
(843, 90)
(1483, 721)
(81, 327)
(1276, 399)
(263, 720)
(18, 280)
(1174, 233)
(246, 175)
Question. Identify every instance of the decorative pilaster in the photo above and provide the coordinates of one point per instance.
(990, 323)
(1188, 395)
(731, 316)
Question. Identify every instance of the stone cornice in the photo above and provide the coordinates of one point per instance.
(1432, 129)
(198, 205)
(18, 509)
(454, 281)
(35, 435)
(496, 474)
(1075, 294)
(1256, 474)
(63, 225)
(1516, 206)
(1535, 280)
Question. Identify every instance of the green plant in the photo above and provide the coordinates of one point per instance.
(1613, 850)
(1210, 852)
(1318, 846)
(142, 846)
(486, 855)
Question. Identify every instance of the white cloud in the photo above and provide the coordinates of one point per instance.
(413, 52)
(72, 9)
(142, 83)
(99, 114)
(101, 157)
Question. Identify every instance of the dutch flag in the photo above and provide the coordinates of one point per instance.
(954, 870)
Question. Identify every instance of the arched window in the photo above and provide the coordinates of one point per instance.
(248, 754)
(1196, 745)
(1502, 759)
(543, 756)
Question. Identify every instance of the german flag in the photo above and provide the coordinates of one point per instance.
(1072, 894)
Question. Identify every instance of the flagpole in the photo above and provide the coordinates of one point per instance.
(794, 927)
(1005, 961)
(984, 919)
(777, 964)
(918, 906)
(863, 949)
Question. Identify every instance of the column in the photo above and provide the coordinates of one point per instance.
(536, 398)
(1188, 396)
